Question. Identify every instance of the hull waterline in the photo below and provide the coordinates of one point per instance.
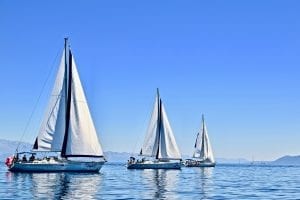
(68, 166)
(162, 165)
(200, 164)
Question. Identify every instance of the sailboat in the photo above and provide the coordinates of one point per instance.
(159, 150)
(67, 129)
(203, 155)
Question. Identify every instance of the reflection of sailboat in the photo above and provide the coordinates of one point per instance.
(79, 186)
(163, 183)
(67, 128)
(205, 181)
(159, 143)
(57, 185)
(203, 155)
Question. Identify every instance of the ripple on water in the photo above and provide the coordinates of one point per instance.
(116, 182)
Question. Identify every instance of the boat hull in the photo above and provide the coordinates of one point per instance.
(199, 164)
(66, 166)
(156, 165)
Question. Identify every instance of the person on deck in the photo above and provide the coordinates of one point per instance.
(24, 158)
(31, 158)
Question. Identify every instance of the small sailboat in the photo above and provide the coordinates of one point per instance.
(159, 150)
(203, 155)
(67, 129)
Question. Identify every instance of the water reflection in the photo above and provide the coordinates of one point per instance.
(116, 182)
(55, 185)
(204, 180)
(160, 184)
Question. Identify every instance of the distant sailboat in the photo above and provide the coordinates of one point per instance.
(67, 128)
(203, 155)
(159, 145)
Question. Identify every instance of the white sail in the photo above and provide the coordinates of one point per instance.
(82, 136)
(203, 149)
(150, 145)
(168, 147)
(160, 141)
(52, 129)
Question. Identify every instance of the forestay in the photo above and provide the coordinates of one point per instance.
(51, 133)
(150, 145)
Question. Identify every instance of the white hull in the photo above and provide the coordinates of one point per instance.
(57, 166)
(195, 163)
(154, 165)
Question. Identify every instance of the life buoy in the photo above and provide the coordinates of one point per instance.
(9, 161)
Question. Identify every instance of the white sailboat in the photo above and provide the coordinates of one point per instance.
(203, 155)
(159, 150)
(67, 128)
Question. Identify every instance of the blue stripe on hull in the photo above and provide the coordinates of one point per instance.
(57, 167)
(201, 165)
(154, 166)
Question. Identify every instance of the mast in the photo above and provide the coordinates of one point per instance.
(159, 122)
(68, 82)
(203, 150)
(204, 136)
(66, 74)
(203, 127)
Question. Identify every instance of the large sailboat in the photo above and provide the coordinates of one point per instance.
(67, 132)
(203, 155)
(159, 150)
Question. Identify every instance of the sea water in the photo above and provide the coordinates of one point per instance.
(115, 181)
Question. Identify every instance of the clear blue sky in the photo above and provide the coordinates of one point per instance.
(238, 62)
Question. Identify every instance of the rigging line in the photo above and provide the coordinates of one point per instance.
(144, 131)
(139, 137)
(37, 101)
(136, 142)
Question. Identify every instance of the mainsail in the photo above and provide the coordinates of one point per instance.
(160, 141)
(67, 125)
(203, 148)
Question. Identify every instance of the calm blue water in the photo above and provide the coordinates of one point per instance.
(116, 182)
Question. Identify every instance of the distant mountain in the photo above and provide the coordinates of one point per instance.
(118, 157)
(124, 156)
(8, 147)
(232, 161)
(287, 160)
